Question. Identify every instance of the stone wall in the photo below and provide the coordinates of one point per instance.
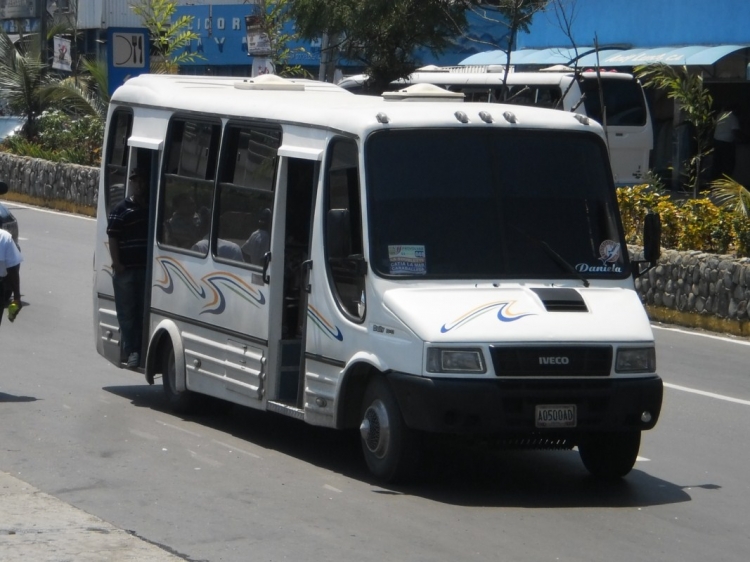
(698, 283)
(687, 282)
(50, 181)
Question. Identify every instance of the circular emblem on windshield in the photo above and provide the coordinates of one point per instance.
(609, 250)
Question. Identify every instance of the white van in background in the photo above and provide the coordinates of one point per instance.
(628, 126)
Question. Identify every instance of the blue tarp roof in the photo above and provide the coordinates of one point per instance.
(694, 55)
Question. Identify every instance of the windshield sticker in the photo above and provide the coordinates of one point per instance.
(504, 314)
(609, 254)
(407, 260)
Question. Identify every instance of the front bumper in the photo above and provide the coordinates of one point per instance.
(507, 405)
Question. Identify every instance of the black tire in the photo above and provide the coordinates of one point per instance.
(610, 455)
(184, 402)
(390, 448)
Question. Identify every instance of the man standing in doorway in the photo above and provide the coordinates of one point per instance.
(10, 265)
(128, 241)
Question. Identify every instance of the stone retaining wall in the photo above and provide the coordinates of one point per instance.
(50, 181)
(698, 283)
(686, 282)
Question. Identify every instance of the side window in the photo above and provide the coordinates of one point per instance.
(245, 193)
(344, 249)
(188, 184)
(120, 126)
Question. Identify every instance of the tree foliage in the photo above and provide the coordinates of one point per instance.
(29, 87)
(382, 34)
(274, 15)
(169, 36)
(515, 15)
(696, 103)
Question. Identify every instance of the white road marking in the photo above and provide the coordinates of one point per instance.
(703, 335)
(331, 488)
(204, 459)
(233, 449)
(642, 459)
(708, 394)
(144, 435)
(165, 424)
(13, 205)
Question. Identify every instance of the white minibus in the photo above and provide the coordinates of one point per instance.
(628, 127)
(403, 265)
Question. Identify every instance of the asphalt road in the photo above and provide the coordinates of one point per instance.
(237, 485)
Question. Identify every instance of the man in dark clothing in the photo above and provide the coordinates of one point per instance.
(127, 229)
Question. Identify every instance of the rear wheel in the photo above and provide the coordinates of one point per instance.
(390, 448)
(181, 402)
(610, 455)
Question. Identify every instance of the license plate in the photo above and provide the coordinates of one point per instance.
(555, 415)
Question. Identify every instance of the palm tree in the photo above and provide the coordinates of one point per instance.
(695, 101)
(29, 88)
(730, 194)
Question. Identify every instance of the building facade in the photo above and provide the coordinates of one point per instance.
(708, 37)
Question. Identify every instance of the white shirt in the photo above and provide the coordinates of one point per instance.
(225, 249)
(10, 256)
(726, 126)
(257, 246)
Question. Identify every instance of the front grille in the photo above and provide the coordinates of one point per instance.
(552, 361)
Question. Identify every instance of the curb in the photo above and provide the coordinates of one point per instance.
(37, 526)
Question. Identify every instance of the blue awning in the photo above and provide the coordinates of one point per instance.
(693, 55)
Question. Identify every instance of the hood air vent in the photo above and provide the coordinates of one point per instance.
(561, 300)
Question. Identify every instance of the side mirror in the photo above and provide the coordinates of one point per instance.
(652, 238)
(3, 188)
(651, 244)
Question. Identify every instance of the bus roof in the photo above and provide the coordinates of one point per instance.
(323, 105)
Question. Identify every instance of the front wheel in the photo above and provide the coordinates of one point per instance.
(391, 449)
(610, 455)
(181, 402)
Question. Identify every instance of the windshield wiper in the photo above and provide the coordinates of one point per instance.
(562, 262)
(557, 258)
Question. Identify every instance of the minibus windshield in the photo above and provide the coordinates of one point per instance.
(492, 203)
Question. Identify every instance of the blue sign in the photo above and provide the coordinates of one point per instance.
(223, 39)
(127, 55)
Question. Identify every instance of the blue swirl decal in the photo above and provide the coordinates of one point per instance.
(503, 314)
(232, 283)
(324, 325)
(171, 267)
(174, 271)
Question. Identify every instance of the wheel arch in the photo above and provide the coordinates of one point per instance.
(166, 333)
(352, 391)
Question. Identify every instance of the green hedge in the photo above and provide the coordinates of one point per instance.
(61, 138)
(691, 224)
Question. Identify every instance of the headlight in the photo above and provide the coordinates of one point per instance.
(442, 360)
(636, 360)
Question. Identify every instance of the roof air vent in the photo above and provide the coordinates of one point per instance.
(269, 82)
(423, 92)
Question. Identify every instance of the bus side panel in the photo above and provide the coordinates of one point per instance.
(223, 323)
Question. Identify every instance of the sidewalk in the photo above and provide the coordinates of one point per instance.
(39, 527)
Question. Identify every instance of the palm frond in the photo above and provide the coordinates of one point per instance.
(730, 194)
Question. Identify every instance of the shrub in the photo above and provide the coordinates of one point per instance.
(695, 224)
(62, 138)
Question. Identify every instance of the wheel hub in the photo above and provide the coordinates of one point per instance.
(375, 429)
